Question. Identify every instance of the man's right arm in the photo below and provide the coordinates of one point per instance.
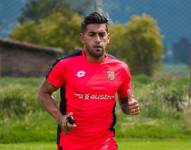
(48, 102)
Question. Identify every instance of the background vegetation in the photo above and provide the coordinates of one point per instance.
(165, 111)
(165, 105)
(138, 42)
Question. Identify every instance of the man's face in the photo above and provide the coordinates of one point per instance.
(95, 38)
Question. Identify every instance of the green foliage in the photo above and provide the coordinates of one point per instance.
(162, 97)
(139, 42)
(17, 98)
(144, 39)
(60, 29)
(117, 32)
(35, 10)
(25, 32)
(82, 7)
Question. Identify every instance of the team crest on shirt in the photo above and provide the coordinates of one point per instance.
(110, 75)
(80, 74)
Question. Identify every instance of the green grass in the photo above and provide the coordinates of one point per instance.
(123, 145)
(24, 120)
(38, 126)
(154, 144)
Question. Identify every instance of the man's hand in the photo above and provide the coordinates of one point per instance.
(64, 123)
(129, 104)
(133, 106)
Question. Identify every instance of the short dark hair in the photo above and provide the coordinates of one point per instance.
(94, 18)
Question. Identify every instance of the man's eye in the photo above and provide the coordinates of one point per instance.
(102, 34)
(91, 34)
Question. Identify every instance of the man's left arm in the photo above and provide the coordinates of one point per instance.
(128, 102)
(129, 105)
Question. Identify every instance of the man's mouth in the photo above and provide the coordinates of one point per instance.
(98, 46)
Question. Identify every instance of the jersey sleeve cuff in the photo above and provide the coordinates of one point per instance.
(54, 83)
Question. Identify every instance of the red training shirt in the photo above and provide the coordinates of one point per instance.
(88, 90)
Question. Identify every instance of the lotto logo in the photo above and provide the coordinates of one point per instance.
(80, 74)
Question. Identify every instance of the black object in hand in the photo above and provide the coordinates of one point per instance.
(70, 119)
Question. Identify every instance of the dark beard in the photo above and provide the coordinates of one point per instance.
(96, 54)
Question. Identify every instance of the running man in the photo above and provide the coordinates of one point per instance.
(88, 81)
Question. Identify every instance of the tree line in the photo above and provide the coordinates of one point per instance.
(56, 23)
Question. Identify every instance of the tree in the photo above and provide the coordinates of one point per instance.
(25, 32)
(82, 7)
(144, 40)
(117, 32)
(140, 44)
(51, 23)
(35, 10)
(60, 29)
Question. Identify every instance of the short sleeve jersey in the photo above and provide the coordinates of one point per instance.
(89, 91)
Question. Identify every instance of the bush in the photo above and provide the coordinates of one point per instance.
(17, 101)
(162, 97)
(18, 98)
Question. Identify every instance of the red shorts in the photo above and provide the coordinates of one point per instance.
(95, 143)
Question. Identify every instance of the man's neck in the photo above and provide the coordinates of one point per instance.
(94, 59)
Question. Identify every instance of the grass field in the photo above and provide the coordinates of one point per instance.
(23, 120)
(123, 145)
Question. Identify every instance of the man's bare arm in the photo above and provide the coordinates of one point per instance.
(47, 100)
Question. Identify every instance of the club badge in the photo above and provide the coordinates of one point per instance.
(110, 75)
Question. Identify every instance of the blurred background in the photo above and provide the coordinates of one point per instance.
(152, 37)
(55, 23)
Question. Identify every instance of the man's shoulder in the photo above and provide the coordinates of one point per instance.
(73, 55)
(76, 53)
(65, 61)
(117, 61)
(62, 61)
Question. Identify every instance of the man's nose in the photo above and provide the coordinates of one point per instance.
(97, 39)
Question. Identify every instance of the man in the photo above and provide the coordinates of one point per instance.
(88, 80)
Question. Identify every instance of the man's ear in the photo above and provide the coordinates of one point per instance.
(82, 38)
(108, 38)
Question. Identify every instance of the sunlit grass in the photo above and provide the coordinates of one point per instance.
(123, 145)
